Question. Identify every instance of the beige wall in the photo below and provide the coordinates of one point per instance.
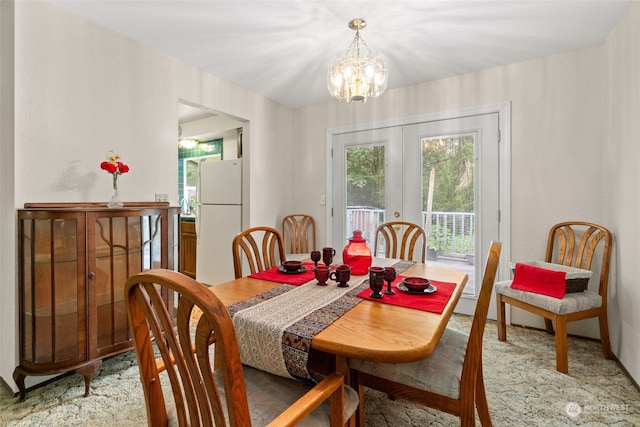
(81, 90)
(621, 181)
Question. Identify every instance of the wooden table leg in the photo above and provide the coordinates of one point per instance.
(342, 367)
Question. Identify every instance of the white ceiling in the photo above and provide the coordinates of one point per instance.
(280, 48)
(188, 113)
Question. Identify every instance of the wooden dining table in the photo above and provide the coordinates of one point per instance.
(370, 330)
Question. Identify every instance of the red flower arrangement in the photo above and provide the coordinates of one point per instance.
(114, 166)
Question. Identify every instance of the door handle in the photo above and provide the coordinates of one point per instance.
(396, 214)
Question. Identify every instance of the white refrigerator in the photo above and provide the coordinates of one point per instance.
(218, 219)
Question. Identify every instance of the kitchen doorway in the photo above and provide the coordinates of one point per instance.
(203, 135)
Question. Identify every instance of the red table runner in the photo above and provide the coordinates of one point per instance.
(273, 275)
(433, 303)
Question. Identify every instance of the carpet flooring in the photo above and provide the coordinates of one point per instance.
(523, 389)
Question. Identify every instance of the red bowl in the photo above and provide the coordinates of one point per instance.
(416, 283)
(292, 265)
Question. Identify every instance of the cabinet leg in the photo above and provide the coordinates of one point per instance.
(18, 377)
(87, 372)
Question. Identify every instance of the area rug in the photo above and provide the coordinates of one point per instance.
(523, 389)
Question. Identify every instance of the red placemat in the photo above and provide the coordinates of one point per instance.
(273, 275)
(433, 303)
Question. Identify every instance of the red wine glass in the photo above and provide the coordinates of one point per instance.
(389, 276)
(315, 257)
(376, 281)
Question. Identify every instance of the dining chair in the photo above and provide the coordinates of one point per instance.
(261, 247)
(299, 233)
(221, 392)
(575, 244)
(399, 239)
(449, 380)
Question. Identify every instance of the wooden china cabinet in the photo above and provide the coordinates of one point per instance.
(74, 259)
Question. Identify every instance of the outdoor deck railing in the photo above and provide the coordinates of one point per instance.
(451, 232)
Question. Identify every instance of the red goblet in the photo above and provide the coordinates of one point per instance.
(327, 256)
(315, 257)
(389, 276)
(376, 281)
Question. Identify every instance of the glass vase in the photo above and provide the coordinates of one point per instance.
(357, 254)
(115, 201)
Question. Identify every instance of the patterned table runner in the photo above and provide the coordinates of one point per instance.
(275, 328)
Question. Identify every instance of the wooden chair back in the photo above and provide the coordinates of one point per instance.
(261, 247)
(574, 244)
(472, 367)
(190, 373)
(194, 333)
(299, 233)
(400, 240)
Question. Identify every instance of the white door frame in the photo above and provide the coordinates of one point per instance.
(503, 110)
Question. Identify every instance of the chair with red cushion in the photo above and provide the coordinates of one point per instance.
(575, 244)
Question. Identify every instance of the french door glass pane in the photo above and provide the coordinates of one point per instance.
(448, 164)
(365, 189)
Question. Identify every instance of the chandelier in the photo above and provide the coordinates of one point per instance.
(360, 73)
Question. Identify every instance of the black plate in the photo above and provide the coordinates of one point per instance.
(428, 290)
(302, 269)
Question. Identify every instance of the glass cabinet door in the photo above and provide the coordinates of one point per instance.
(125, 244)
(52, 291)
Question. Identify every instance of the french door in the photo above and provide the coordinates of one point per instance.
(441, 174)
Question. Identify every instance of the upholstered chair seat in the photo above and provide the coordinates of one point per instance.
(269, 395)
(571, 303)
(439, 373)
